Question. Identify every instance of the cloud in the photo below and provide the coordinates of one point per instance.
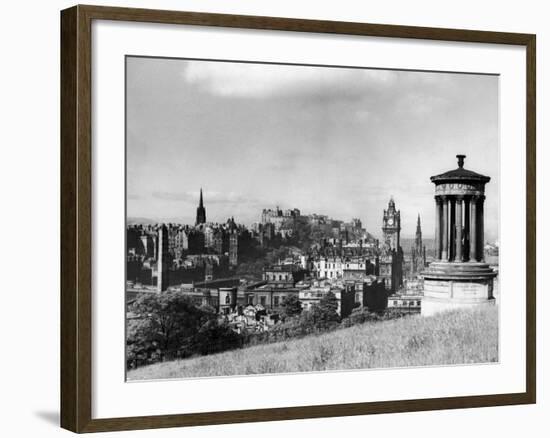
(421, 103)
(233, 79)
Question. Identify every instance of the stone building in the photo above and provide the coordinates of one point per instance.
(178, 241)
(279, 282)
(374, 295)
(459, 276)
(227, 299)
(344, 293)
(134, 265)
(418, 252)
(335, 268)
(149, 245)
(199, 296)
(209, 232)
(163, 262)
(141, 240)
(195, 241)
(281, 219)
(329, 267)
(218, 241)
(405, 303)
(233, 248)
(270, 297)
(283, 275)
(391, 253)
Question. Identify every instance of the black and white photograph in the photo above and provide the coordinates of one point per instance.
(275, 219)
(285, 218)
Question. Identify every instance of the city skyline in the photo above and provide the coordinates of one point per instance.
(332, 141)
(189, 220)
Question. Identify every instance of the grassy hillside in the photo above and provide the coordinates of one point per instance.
(458, 337)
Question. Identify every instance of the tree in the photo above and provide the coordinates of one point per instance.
(252, 269)
(165, 325)
(213, 338)
(303, 236)
(276, 255)
(292, 306)
(322, 316)
(208, 309)
(328, 308)
(139, 349)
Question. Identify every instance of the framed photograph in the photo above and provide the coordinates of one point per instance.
(270, 218)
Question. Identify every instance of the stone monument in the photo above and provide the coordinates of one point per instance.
(163, 259)
(458, 277)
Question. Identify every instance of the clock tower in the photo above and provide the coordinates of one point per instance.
(391, 226)
(391, 253)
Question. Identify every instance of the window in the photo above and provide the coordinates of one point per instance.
(276, 301)
(395, 303)
(251, 299)
(262, 301)
(418, 303)
(227, 299)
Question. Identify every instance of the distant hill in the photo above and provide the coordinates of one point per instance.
(140, 220)
(166, 220)
(458, 337)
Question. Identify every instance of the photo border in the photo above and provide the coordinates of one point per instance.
(76, 217)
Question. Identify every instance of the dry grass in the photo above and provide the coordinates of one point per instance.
(458, 337)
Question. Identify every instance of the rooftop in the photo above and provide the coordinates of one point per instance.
(281, 268)
(460, 174)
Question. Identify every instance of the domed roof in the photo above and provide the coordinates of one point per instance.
(460, 175)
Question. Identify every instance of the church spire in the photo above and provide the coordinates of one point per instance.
(418, 240)
(201, 211)
(418, 250)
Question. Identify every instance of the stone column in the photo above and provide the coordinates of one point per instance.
(162, 261)
(452, 228)
(481, 229)
(437, 228)
(458, 224)
(467, 247)
(445, 245)
(473, 230)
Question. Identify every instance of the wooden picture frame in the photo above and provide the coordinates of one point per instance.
(76, 217)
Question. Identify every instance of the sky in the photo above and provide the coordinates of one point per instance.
(327, 140)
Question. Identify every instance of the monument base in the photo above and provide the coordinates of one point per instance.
(454, 285)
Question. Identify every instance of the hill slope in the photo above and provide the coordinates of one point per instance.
(458, 337)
